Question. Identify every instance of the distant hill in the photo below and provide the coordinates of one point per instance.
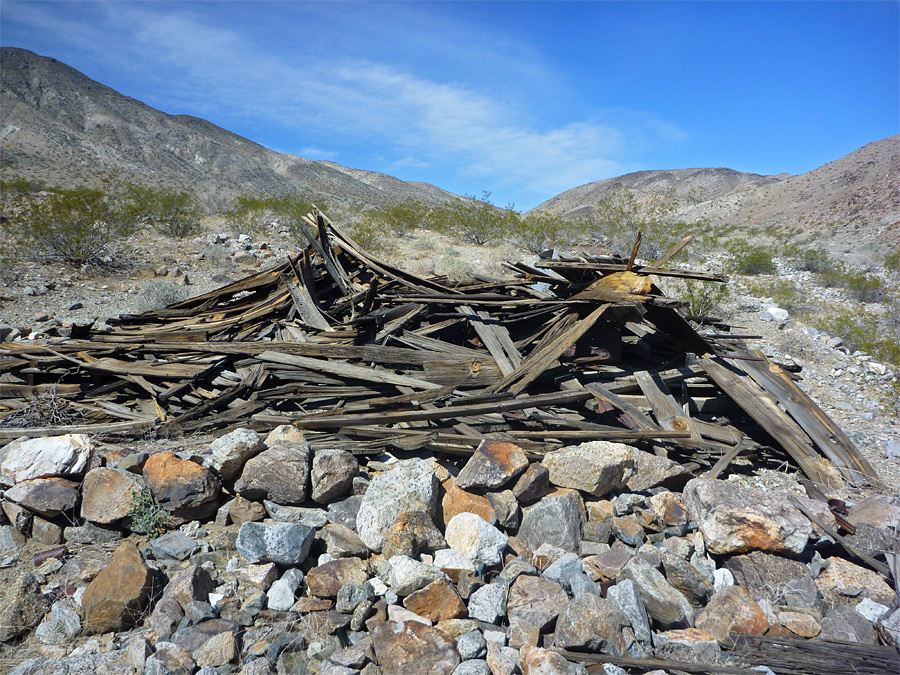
(60, 126)
(851, 204)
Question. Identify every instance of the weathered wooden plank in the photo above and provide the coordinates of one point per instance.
(342, 369)
(306, 307)
(830, 439)
(757, 403)
(114, 428)
(495, 338)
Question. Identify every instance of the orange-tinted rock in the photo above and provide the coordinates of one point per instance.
(413, 533)
(732, 610)
(492, 465)
(245, 511)
(456, 500)
(842, 582)
(800, 624)
(668, 510)
(535, 600)
(116, 598)
(438, 601)
(191, 583)
(183, 487)
(312, 605)
(606, 566)
(539, 661)
(326, 580)
(686, 644)
(107, 495)
(412, 648)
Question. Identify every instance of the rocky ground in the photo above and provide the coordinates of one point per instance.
(274, 559)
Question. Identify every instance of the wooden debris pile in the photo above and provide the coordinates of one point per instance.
(361, 353)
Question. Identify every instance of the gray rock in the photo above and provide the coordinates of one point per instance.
(556, 519)
(492, 465)
(341, 541)
(680, 645)
(471, 645)
(60, 626)
(282, 543)
(279, 474)
(48, 497)
(352, 596)
(91, 533)
(473, 667)
(488, 603)
(332, 474)
(563, 569)
(843, 624)
(667, 606)
(625, 596)
(281, 594)
(595, 467)
(592, 623)
(198, 611)
(86, 664)
(475, 537)
(536, 601)
(174, 545)
(506, 507)
(686, 578)
(311, 517)
(408, 575)
(580, 584)
(410, 486)
(11, 540)
(231, 452)
(165, 617)
(169, 659)
(344, 512)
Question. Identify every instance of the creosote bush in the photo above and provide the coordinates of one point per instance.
(752, 260)
(77, 226)
(159, 294)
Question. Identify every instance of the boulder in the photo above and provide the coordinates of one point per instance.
(539, 661)
(413, 533)
(279, 474)
(412, 648)
(533, 484)
(438, 601)
(22, 606)
(536, 600)
(595, 467)
(189, 584)
(174, 546)
(666, 606)
(472, 535)
(626, 597)
(332, 474)
(107, 495)
(117, 596)
(842, 582)
(690, 645)
(765, 575)
(734, 519)
(410, 486)
(281, 543)
(593, 624)
(557, 519)
(342, 542)
(324, 581)
(455, 500)
(63, 456)
(243, 511)
(492, 465)
(48, 497)
(231, 451)
(407, 575)
(732, 610)
(182, 487)
(11, 540)
(488, 603)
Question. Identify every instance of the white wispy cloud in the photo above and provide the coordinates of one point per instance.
(414, 120)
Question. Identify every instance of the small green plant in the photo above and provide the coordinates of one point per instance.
(176, 214)
(147, 516)
(786, 294)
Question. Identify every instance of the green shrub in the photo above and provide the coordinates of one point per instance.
(19, 186)
(859, 284)
(538, 231)
(752, 260)
(77, 226)
(786, 294)
(398, 218)
(619, 217)
(862, 331)
(176, 214)
(474, 219)
(704, 298)
(814, 260)
(159, 294)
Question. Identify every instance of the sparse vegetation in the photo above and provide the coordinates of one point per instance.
(751, 260)
(704, 298)
(146, 515)
(474, 219)
(159, 294)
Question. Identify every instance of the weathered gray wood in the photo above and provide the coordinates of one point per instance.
(345, 370)
(496, 338)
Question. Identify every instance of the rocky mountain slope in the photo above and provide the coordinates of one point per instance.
(55, 123)
(850, 205)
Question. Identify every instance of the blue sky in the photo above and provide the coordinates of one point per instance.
(522, 99)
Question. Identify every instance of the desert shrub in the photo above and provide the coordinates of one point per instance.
(159, 294)
(251, 214)
(814, 260)
(76, 226)
(624, 213)
(19, 186)
(474, 219)
(862, 331)
(176, 214)
(704, 298)
(370, 235)
(538, 231)
(860, 285)
(398, 218)
(751, 260)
